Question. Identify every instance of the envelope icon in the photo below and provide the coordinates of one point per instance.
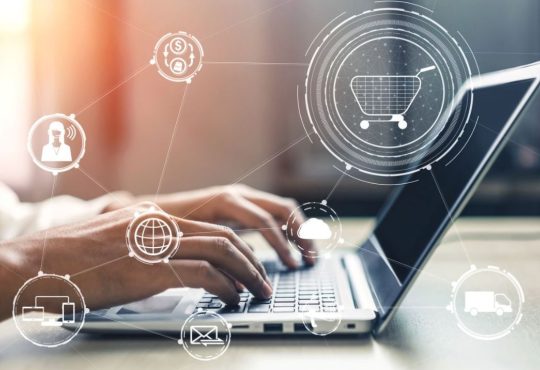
(204, 335)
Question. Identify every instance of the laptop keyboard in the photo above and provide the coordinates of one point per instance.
(306, 289)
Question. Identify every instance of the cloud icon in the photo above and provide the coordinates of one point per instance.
(314, 229)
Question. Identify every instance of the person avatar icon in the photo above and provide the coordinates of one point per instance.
(56, 150)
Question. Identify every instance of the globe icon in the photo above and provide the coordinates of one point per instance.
(153, 236)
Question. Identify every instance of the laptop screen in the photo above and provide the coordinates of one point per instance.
(417, 214)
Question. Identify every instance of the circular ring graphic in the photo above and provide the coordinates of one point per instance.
(491, 294)
(44, 305)
(322, 226)
(380, 93)
(153, 237)
(205, 335)
(320, 323)
(178, 57)
(56, 143)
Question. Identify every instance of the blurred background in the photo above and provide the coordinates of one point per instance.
(238, 120)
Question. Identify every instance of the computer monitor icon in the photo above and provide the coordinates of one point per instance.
(58, 304)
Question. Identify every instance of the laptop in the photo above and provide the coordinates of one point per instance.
(367, 285)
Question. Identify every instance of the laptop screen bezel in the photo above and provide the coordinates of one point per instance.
(524, 73)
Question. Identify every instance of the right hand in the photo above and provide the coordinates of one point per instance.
(95, 254)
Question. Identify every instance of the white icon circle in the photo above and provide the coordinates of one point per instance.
(380, 93)
(487, 302)
(316, 222)
(178, 57)
(153, 236)
(45, 306)
(318, 322)
(205, 335)
(56, 143)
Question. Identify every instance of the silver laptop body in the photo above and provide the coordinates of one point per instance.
(365, 285)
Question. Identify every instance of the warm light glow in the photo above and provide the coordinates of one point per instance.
(14, 15)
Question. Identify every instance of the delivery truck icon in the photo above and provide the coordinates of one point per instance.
(486, 302)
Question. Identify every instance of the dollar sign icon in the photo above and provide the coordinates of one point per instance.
(178, 45)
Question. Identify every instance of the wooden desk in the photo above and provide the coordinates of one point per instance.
(423, 334)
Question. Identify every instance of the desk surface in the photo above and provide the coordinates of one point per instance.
(423, 335)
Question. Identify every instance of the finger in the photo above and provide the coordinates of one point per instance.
(201, 274)
(283, 209)
(195, 228)
(224, 255)
(251, 215)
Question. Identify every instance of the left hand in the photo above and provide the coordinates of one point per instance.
(249, 208)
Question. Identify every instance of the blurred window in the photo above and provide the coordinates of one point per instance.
(15, 107)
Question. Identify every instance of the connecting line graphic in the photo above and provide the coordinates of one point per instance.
(267, 10)
(173, 135)
(241, 178)
(531, 53)
(136, 73)
(452, 218)
(511, 140)
(335, 185)
(177, 276)
(362, 250)
(47, 230)
(235, 230)
(284, 64)
(100, 265)
(126, 323)
(99, 185)
(103, 11)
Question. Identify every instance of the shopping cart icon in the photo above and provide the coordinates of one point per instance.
(392, 96)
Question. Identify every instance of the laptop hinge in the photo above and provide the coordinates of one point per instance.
(357, 280)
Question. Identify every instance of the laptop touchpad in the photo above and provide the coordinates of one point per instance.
(153, 305)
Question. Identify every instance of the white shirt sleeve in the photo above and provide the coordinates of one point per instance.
(18, 218)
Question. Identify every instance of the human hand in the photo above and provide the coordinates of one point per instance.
(249, 208)
(95, 255)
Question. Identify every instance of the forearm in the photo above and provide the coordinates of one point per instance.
(189, 203)
(12, 276)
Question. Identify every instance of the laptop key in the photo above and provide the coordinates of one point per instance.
(286, 290)
(234, 309)
(308, 308)
(259, 308)
(283, 309)
(283, 299)
(285, 295)
(214, 305)
(308, 302)
(284, 304)
(308, 291)
(260, 301)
